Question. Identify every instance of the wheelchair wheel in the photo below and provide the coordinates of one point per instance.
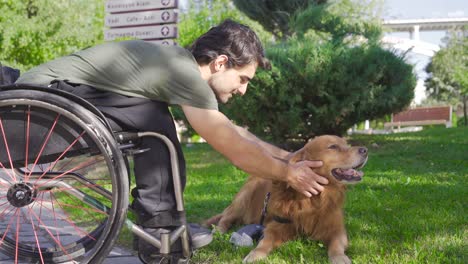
(63, 180)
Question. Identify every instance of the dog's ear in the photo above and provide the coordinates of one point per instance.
(297, 156)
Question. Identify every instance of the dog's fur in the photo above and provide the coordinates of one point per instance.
(319, 217)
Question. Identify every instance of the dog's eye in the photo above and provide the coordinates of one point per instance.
(334, 146)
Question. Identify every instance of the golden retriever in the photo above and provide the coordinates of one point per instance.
(290, 213)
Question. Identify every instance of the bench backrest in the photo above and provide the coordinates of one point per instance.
(424, 113)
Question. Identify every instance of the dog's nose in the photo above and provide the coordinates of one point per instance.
(363, 151)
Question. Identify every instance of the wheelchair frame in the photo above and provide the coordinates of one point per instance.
(26, 113)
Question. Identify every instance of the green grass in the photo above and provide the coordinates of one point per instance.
(410, 207)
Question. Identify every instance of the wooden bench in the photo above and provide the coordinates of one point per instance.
(421, 116)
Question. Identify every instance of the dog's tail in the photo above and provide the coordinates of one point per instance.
(213, 220)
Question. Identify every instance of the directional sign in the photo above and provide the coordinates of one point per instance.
(141, 18)
(148, 32)
(116, 6)
(151, 20)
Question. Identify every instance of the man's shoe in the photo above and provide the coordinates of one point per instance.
(199, 237)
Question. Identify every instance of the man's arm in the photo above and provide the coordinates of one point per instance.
(273, 150)
(248, 155)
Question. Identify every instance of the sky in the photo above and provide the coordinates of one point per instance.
(398, 9)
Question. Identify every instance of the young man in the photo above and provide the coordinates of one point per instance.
(133, 82)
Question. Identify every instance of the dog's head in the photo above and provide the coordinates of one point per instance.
(340, 161)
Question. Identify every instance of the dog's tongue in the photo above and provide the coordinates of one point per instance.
(352, 172)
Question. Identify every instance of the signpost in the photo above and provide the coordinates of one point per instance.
(154, 21)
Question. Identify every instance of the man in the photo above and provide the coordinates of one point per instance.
(133, 82)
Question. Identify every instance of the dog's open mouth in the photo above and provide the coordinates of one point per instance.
(349, 175)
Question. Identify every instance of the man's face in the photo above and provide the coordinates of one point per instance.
(229, 81)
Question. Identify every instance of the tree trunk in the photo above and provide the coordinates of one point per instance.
(465, 117)
(31, 9)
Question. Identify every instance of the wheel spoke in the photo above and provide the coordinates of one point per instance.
(7, 228)
(62, 216)
(28, 124)
(58, 243)
(59, 158)
(12, 176)
(85, 209)
(82, 165)
(37, 239)
(44, 144)
(53, 213)
(67, 218)
(66, 164)
(17, 233)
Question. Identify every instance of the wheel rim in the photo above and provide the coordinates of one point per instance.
(56, 193)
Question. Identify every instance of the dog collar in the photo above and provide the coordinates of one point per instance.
(264, 210)
(281, 220)
(275, 217)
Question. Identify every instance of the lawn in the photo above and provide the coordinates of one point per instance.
(410, 207)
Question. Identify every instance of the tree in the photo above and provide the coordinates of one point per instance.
(286, 18)
(35, 31)
(317, 89)
(448, 72)
(274, 15)
(340, 21)
(329, 72)
(198, 21)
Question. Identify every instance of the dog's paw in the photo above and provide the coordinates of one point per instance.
(340, 259)
(218, 229)
(254, 256)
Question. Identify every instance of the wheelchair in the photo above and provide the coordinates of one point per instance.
(64, 180)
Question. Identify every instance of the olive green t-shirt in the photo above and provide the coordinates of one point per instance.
(132, 68)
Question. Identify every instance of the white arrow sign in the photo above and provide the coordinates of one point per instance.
(116, 6)
(149, 32)
(142, 18)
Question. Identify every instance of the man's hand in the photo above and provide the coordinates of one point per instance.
(303, 179)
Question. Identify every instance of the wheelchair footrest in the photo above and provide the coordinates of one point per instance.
(157, 243)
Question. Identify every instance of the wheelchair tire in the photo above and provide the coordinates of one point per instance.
(63, 180)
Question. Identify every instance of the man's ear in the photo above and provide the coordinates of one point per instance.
(220, 62)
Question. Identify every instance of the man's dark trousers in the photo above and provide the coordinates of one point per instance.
(154, 200)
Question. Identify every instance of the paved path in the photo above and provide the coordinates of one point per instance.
(121, 256)
(117, 256)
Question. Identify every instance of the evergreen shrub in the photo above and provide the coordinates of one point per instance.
(322, 88)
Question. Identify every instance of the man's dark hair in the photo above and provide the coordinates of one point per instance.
(238, 42)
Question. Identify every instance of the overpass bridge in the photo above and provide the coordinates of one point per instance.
(415, 46)
(414, 27)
